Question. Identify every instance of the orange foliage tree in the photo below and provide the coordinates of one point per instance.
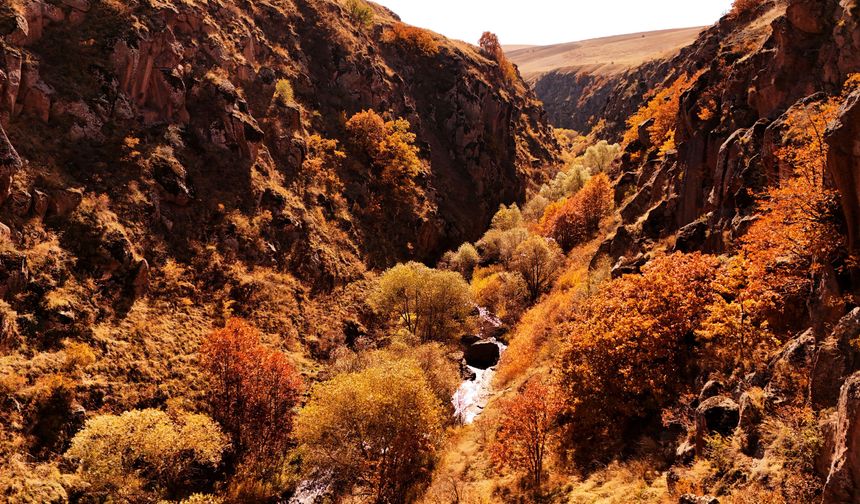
(492, 48)
(253, 391)
(390, 146)
(578, 218)
(628, 347)
(797, 234)
(663, 109)
(417, 40)
(526, 428)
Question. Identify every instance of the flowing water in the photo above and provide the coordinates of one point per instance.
(473, 395)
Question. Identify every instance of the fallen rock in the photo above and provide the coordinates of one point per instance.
(14, 273)
(750, 417)
(483, 354)
(64, 202)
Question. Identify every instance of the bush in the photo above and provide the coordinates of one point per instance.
(663, 109)
(507, 218)
(565, 183)
(577, 219)
(504, 292)
(537, 260)
(121, 457)
(741, 7)
(464, 260)
(375, 430)
(600, 156)
(390, 148)
(252, 392)
(414, 40)
(431, 304)
(284, 92)
(360, 13)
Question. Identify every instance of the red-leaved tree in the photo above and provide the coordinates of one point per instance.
(253, 391)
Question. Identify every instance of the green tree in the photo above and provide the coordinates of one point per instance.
(375, 430)
(431, 304)
(537, 260)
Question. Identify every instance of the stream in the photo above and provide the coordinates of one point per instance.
(473, 395)
(469, 400)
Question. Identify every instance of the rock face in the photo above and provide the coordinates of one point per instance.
(708, 187)
(843, 482)
(204, 75)
(844, 164)
(836, 359)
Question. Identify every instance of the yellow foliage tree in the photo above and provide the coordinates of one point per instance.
(120, 456)
(376, 431)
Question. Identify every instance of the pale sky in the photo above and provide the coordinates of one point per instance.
(543, 22)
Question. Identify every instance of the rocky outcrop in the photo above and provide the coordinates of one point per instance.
(836, 359)
(843, 482)
(843, 163)
(718, 414)
(10, 163)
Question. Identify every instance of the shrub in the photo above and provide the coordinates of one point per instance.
(284, 92)
(565, 183)
(360, 13)
(632, 320)
(122, 456)
(412, 39)
(431, 304)
(537, 260)
(375, 430)
(577, 219)
(464, 260)
(253, 390)
(526, 429)
(797, 234)
(741, 7)
(78, 355)
(504, 292)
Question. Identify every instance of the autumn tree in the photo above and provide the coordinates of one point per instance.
(390, 148)
(600, 156)
(526, 429)
(796, 237)
(507, 218)
(577, 219)
(537, 260)
(627, 347)
(123, 456)
(431, 304)
(376, 430)
(253, 390)
(497, 246)
(492, 48)
(663, 109)
(463, 260)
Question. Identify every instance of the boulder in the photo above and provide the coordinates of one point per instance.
(483, 354)
(20, 203)
(692, 237)
(750, 417)
(843, 482)
(645, 134)
(718, 414)
(711, 389)
(65, 201)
